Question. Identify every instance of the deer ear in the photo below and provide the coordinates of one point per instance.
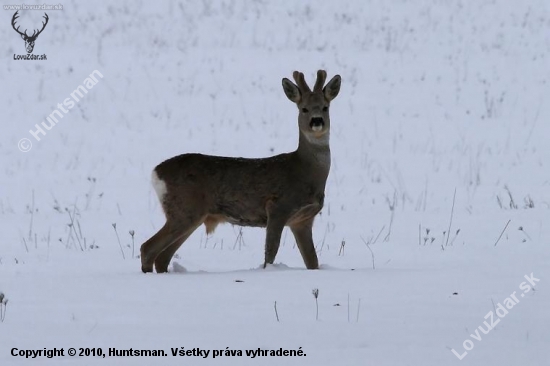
(332, 89)
(23, 36)
(291, 90)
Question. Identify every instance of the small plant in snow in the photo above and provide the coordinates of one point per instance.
(512, 204)
(132, 232)
(455, 236)
(525, 233)
(118, 239)
(429, 238)
(3, 305)
(529, 202)
(315, 293)
(368, 243)
(342, 248)
(276, 312)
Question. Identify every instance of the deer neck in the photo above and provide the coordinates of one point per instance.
(315, 152)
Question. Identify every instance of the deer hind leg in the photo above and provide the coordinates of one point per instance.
(163, 259)
(170, 237)
(157, 243)
(304, 240)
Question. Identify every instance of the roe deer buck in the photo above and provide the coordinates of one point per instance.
(282, 190)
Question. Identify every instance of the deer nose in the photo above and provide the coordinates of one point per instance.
(317, 123)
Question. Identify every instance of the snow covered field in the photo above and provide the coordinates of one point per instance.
(437, 205)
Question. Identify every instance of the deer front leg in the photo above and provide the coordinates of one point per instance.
(304, 240)
(273, 239)
(276, 220)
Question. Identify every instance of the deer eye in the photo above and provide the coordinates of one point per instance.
(325, 108)
(305, 110)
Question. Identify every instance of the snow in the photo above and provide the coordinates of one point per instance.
(436, 98)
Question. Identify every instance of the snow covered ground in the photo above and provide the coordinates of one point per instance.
(437, 97)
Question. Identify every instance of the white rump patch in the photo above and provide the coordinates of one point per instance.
(159, 186)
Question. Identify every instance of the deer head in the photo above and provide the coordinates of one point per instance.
(313, 105)
(29, 40)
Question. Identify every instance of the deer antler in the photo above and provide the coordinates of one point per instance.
(301, 82)
(321, 77)
(15, 16)
(24, 34)
(43, 26)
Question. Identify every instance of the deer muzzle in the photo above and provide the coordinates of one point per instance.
(317, 123)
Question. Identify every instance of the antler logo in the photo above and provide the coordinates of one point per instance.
(29, 40)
